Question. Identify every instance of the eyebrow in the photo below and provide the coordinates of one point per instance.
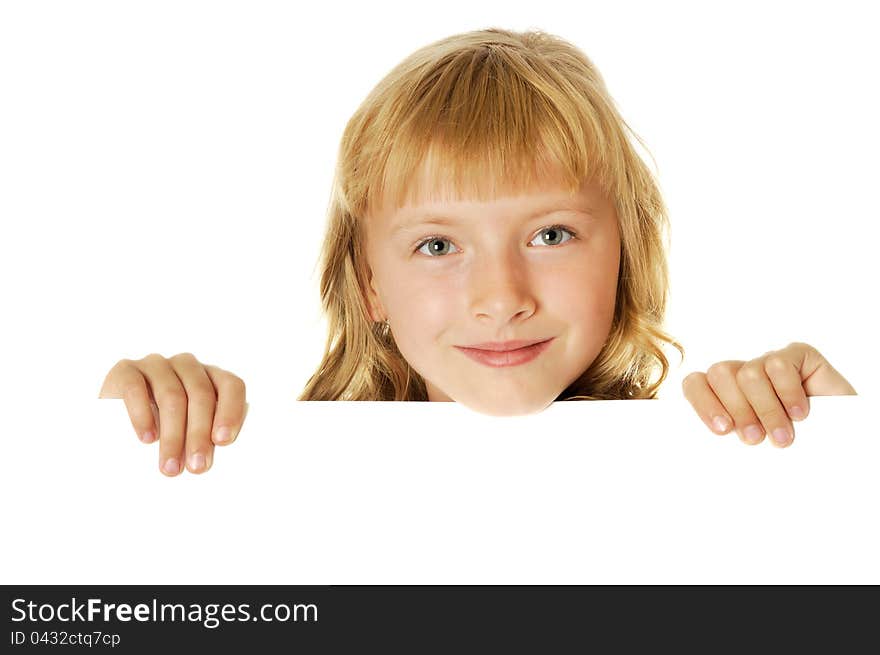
(436, 218)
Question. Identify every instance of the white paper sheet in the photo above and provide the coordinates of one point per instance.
(349, 493)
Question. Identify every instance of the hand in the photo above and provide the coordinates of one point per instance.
(765, 394)
(199, 406)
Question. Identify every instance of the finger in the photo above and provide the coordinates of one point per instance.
(704, 401)
(819, 377)
(170, 397)
(114, 382)
(722, 380)
(231, 405)
(785, 376)
(756, 385)
(128, 383)
(201, 402)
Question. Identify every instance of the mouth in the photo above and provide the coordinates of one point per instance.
(506, 353)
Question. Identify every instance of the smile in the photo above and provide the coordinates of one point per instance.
(498, 355)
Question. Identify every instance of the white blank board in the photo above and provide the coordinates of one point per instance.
(610, 492)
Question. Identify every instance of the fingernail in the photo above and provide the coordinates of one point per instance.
(196, 462)
(753, 434)
(148, 436)
(171, 466)
(780, 435)
(796, 413)
(223, 435)
(721, 423)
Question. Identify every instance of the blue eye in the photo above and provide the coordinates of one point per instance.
(552, 236)
(436, 246)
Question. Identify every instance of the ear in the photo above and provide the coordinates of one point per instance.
(374, 304)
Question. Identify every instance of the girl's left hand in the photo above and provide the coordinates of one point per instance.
(765, 394)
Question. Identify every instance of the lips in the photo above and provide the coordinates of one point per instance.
(497, 354)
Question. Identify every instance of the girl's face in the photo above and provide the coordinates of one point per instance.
(498, 305)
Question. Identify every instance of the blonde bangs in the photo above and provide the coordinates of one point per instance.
(483, 124)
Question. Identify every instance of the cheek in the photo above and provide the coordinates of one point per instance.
(585, 295)
(421, 307)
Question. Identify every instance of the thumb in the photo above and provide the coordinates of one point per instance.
(820, 378)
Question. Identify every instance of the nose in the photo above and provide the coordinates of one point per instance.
(500, 292)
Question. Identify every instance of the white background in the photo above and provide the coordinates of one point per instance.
(165, 169)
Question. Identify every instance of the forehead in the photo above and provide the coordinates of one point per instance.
(514, 206)
(432, 191)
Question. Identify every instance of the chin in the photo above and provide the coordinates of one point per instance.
(494, 406)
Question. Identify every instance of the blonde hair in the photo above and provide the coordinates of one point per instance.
(487, 112)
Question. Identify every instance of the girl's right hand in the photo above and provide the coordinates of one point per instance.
(198, 406)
